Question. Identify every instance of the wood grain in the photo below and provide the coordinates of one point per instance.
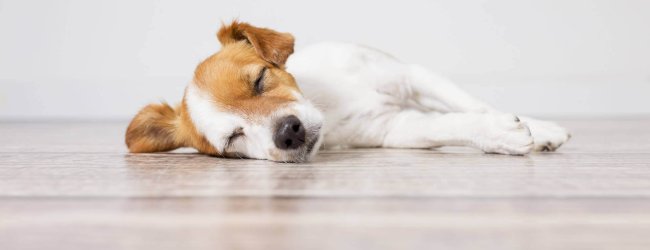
(74, 186)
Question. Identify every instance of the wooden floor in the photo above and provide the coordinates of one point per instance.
(73, 186)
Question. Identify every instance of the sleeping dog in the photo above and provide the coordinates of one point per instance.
(245, 102)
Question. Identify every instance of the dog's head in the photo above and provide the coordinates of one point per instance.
(241, 103)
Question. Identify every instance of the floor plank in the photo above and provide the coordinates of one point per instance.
(74, 186)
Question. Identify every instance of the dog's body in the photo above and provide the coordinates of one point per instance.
(368, 99)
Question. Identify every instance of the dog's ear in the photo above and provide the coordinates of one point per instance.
(274, 47)
(154, 129)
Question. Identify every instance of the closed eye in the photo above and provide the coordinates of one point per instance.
(235, 134)
(258, 87)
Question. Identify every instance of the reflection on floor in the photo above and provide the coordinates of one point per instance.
(73, 186)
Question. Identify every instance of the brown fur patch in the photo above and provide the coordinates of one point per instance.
(229, 77)
(153, 129)
(159, 128)
(274, 47)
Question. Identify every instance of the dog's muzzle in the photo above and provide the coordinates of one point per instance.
(289, 133)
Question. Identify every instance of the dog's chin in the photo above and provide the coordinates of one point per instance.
(304, 153)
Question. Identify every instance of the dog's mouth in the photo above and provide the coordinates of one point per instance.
(311, 145)
(314, 142)
(309, 149)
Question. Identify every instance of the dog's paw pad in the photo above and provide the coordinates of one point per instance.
(548, 147)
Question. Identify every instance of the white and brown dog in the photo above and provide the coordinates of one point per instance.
(244, 101)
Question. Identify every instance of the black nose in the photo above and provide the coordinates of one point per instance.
(289, 133)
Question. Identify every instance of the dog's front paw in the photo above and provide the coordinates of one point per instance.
(505, 134)
(547, 136)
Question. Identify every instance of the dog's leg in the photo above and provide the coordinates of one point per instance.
(439, 94)
(492, 133)
(433, 92)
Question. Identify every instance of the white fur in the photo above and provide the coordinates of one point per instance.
(217, 124)
(370, 99)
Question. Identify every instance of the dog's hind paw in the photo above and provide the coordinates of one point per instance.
(547, 136)
(506, 134)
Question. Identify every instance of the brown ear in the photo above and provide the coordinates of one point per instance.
(154, 129)
(274, 47)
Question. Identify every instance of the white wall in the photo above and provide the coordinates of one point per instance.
(104, 59)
